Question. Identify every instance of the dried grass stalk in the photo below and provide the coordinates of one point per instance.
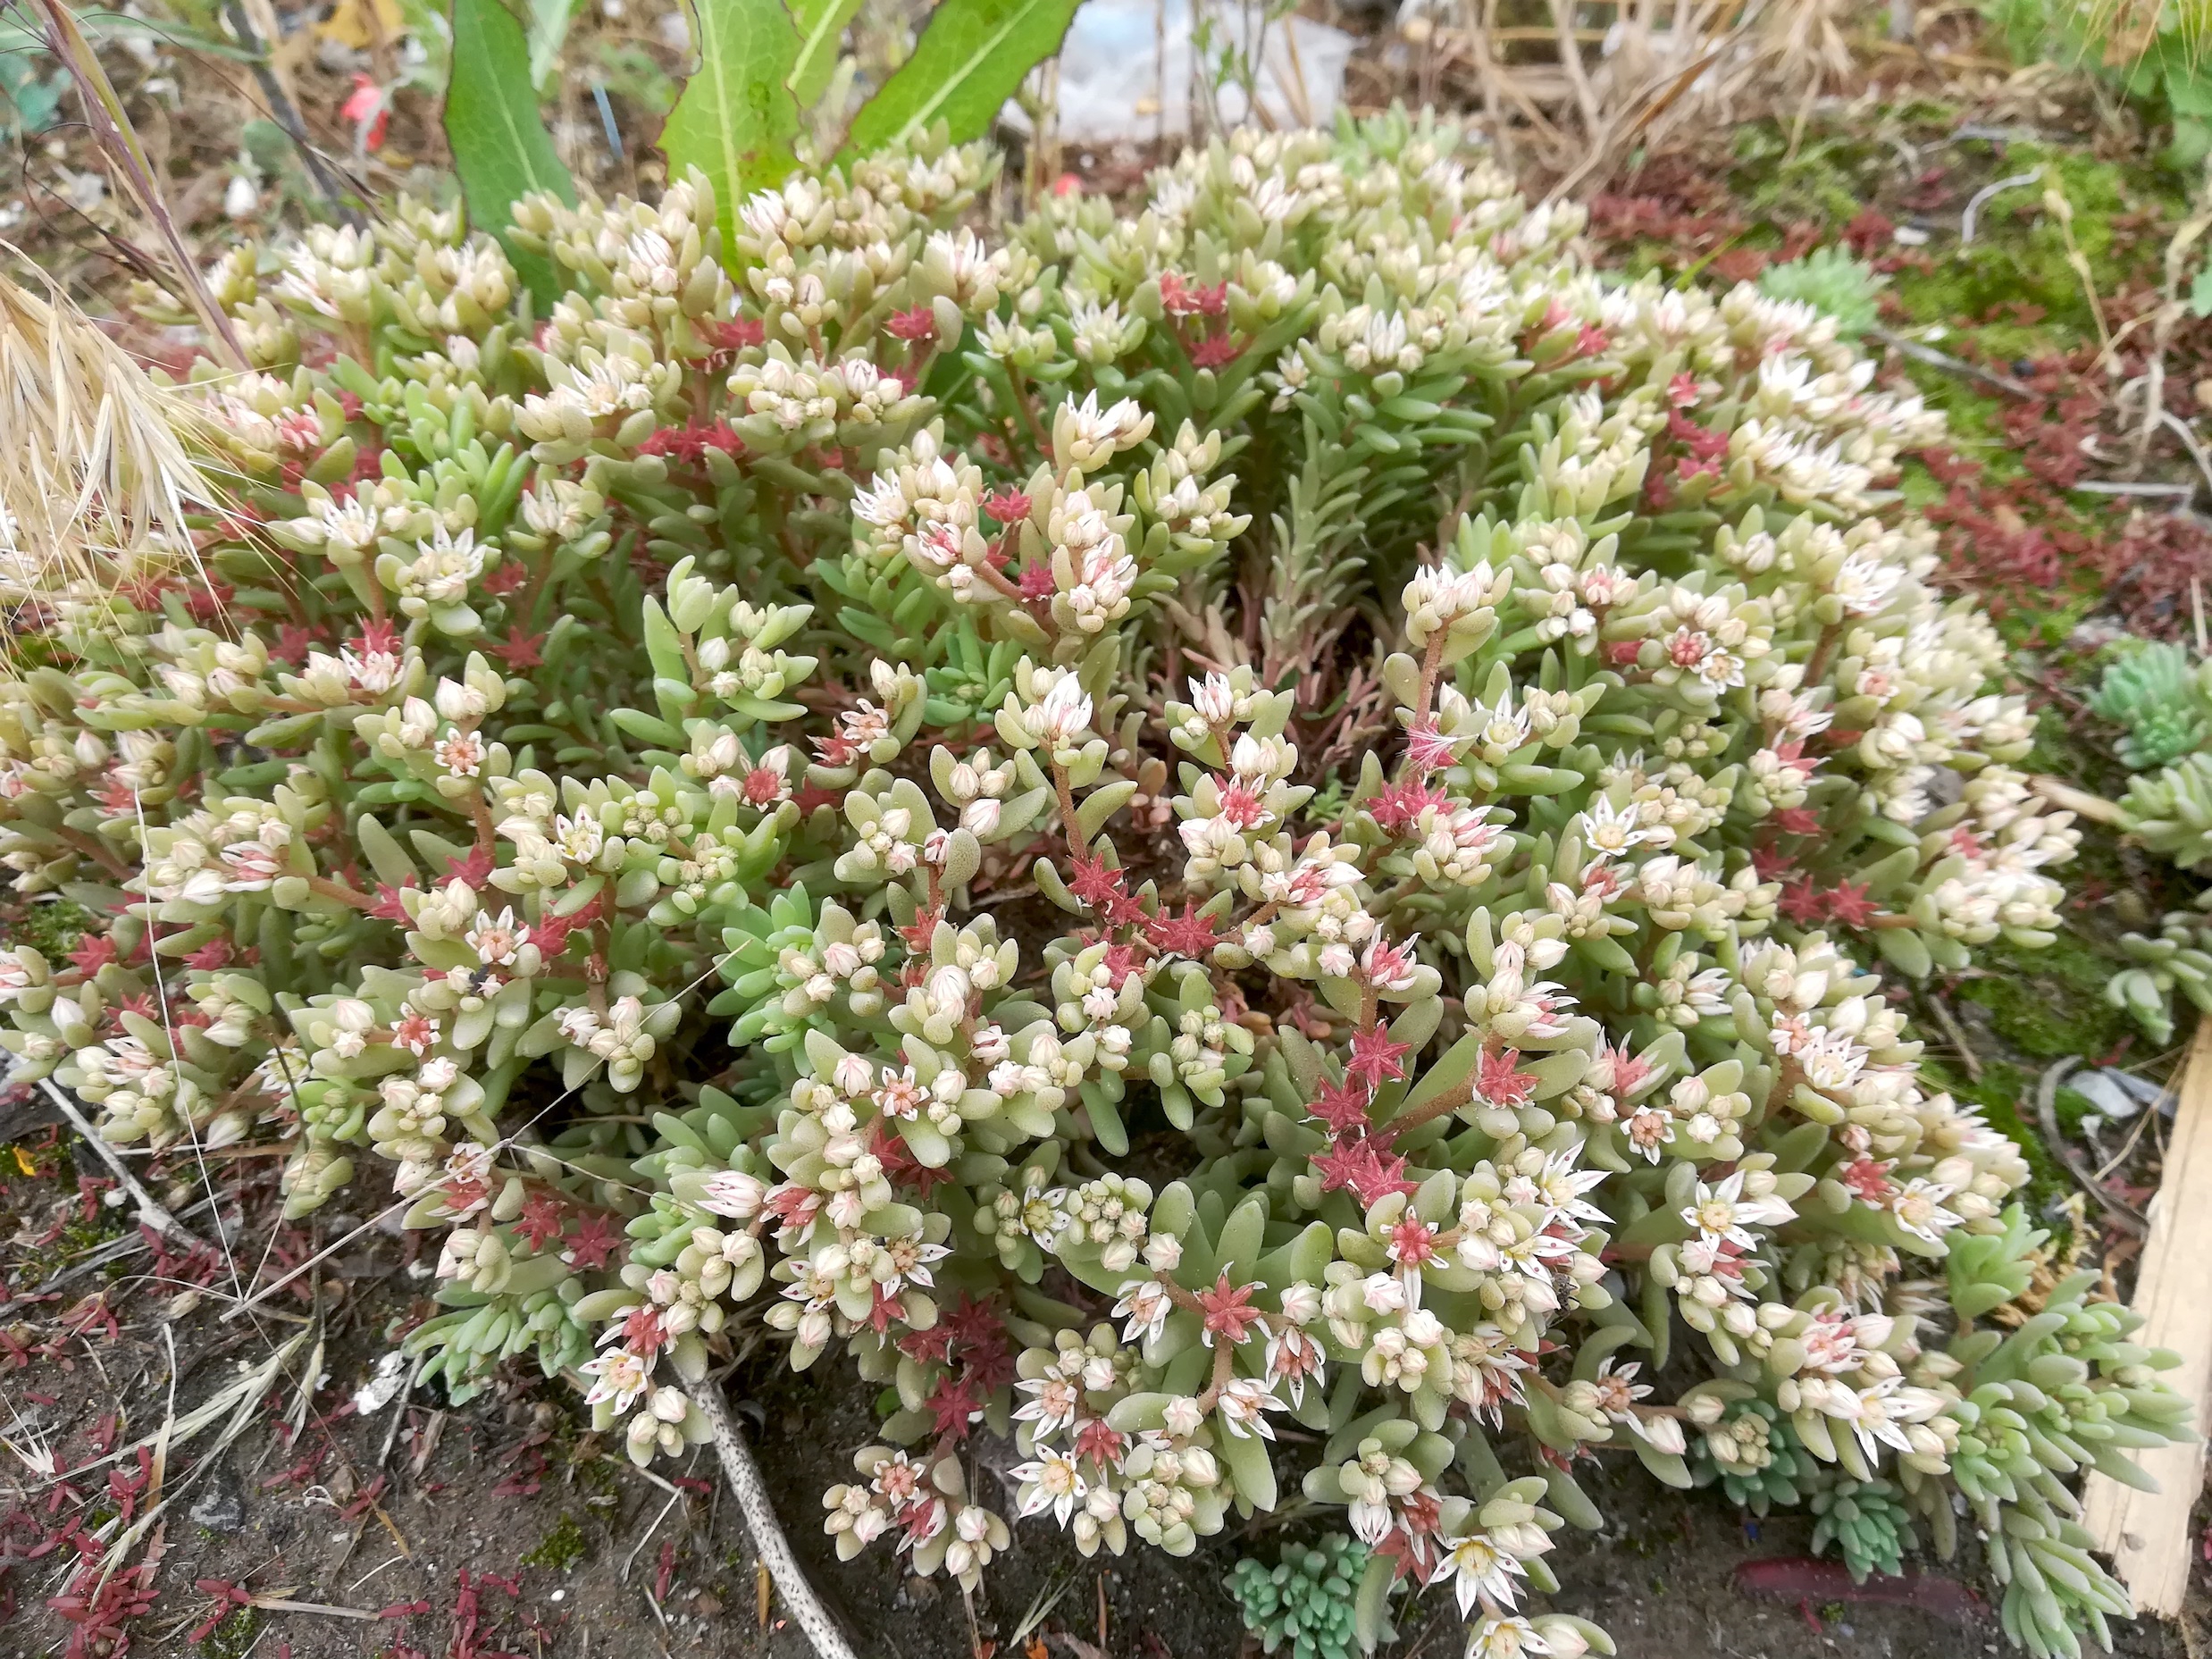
(1593, 80)
(111, 125)
(95, 462)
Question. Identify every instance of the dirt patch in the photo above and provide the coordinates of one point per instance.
(505, 1528)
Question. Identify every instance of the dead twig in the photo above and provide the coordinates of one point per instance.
(283, 1604)
(768, 1534)
(333, 184)
(1988, 193)
(2181, 429)
(1571, 61)
(1949, 1022)
(2172, 309)
(150, 1209)
(629, 1560)
(1949, 365)
(399, 1412)
(2123, 1213)
(2060, 207)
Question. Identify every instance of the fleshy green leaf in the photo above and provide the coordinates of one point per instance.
(737, 121)
(500, 148)
(972, 55)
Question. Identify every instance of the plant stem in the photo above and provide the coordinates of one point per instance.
(327, 177)
(1066, 809)
(1020, 382)
(324, 887)
(110, 125)
(1431, 665)
(769, 1544)
(1823, 653)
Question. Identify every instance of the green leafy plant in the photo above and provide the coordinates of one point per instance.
(1755, 1455)
(1867, 1521)
(500, 148)
(2177, 957)
(30, 91)
(753, 791)
(970, 58)
(1302, 1604)
(2153, 51)
(763, 68)
(1830, 280)
(2159, 697)
(2067, 1387)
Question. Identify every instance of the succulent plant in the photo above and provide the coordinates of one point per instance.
(2178, 958)
(2170, 810)
(750, 790)
(2152, 689)
(1303, 1603)
(1867, 1521)
(1754, 1454)
(2066, 1389)
(1833, 282)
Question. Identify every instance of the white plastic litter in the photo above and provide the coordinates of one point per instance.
(2117, 1095)
(2104, 1093)
(374, 1394)
(1126, 71)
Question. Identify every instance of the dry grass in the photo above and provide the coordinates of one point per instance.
(1572, 87)
(2129, 28)
(94, 470)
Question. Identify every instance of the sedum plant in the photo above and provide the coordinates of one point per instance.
(2177, 957)
(1832, 281)
(2157, 695)
(1303, 1606)
(1867, 1522)
(1753, 1452)
(1290, 806)
(2159, 698)
(2170, 810)
(2066, 1388)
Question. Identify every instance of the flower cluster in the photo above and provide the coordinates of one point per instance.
(763, 787)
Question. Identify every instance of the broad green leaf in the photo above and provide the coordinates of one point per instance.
(549, 20)
(972, 55)
(821, 27)
(500, 148)
(736, 120)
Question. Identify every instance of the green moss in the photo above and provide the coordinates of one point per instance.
(51, 927)
(2049, 1004)
(2070, 1108)
(234, 1638)
(561, 1548)
(2020, 252)
(1827, 178)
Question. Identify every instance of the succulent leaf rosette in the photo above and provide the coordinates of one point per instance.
(793, 795)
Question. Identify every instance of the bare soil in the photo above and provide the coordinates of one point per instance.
(504, 1528)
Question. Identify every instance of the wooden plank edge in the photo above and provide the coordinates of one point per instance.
(2147, 1534)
